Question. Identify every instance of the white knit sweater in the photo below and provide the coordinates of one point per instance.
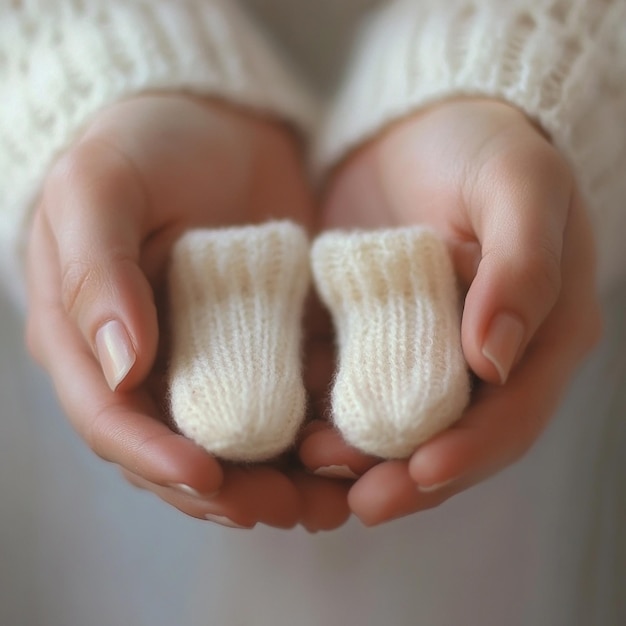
(561, 61)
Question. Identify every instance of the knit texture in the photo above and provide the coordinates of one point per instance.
(236, 298)
(401, 374)
(563, 62)
(62, 61)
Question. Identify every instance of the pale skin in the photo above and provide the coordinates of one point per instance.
(148, 168)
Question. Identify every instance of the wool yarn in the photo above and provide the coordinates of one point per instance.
(236, 298)
(401, 374)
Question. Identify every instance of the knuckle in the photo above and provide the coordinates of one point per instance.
(540, 273)
(97, 437)
(90, 173)
(531, 172)
(536, 161)
(58, 175)
(70, 170)
(75, 164)
(545, 166)
(81, 281)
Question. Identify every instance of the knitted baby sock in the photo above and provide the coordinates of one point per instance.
(236, 298)
(401, 375)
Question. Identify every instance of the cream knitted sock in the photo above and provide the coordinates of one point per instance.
(401, 375)
(236, 298)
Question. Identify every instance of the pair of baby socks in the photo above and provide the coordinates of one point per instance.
(237, 298)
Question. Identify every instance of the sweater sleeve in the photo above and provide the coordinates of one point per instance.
(62, 61)
(563, 62)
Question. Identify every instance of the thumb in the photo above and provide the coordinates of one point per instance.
(93, 205)
(520, 225)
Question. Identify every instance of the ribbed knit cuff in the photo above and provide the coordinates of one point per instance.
(401, 374)
(562, 63)
(61, 62)
(236, 299)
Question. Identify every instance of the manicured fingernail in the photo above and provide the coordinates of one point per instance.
(222, 520)
(436, 486)
(190, 491)
(503, 342)
(336, 471)
(115, 352)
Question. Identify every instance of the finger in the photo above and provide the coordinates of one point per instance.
(519, 205)
(384, 493)
(248, 496)
(324, 452)
(498, 429)
(190, 504)
(259, 494)
(503, 422)
(93, 203)
(324, 502)
(124, 428)
(387, 492)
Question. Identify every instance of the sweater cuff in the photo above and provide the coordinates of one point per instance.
(61, 62)
(562, 63)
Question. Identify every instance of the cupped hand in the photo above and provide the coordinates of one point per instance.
(505, 201)
(142, 172)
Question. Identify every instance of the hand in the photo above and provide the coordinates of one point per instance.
(504, 200)
(144, 171)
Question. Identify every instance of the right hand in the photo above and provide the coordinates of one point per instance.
(503, 198)
(144, 171)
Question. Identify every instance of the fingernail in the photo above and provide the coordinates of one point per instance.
(336, 471)
(503, 342)
(115, 352)
(190, 491)
(436, 486)
(222, 520)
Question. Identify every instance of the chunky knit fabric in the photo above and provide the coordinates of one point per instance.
(62, 61)
(563, 62)
(401, 375)
(236, 301)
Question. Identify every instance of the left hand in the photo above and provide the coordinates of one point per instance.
(505, 201)
(145, 170)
